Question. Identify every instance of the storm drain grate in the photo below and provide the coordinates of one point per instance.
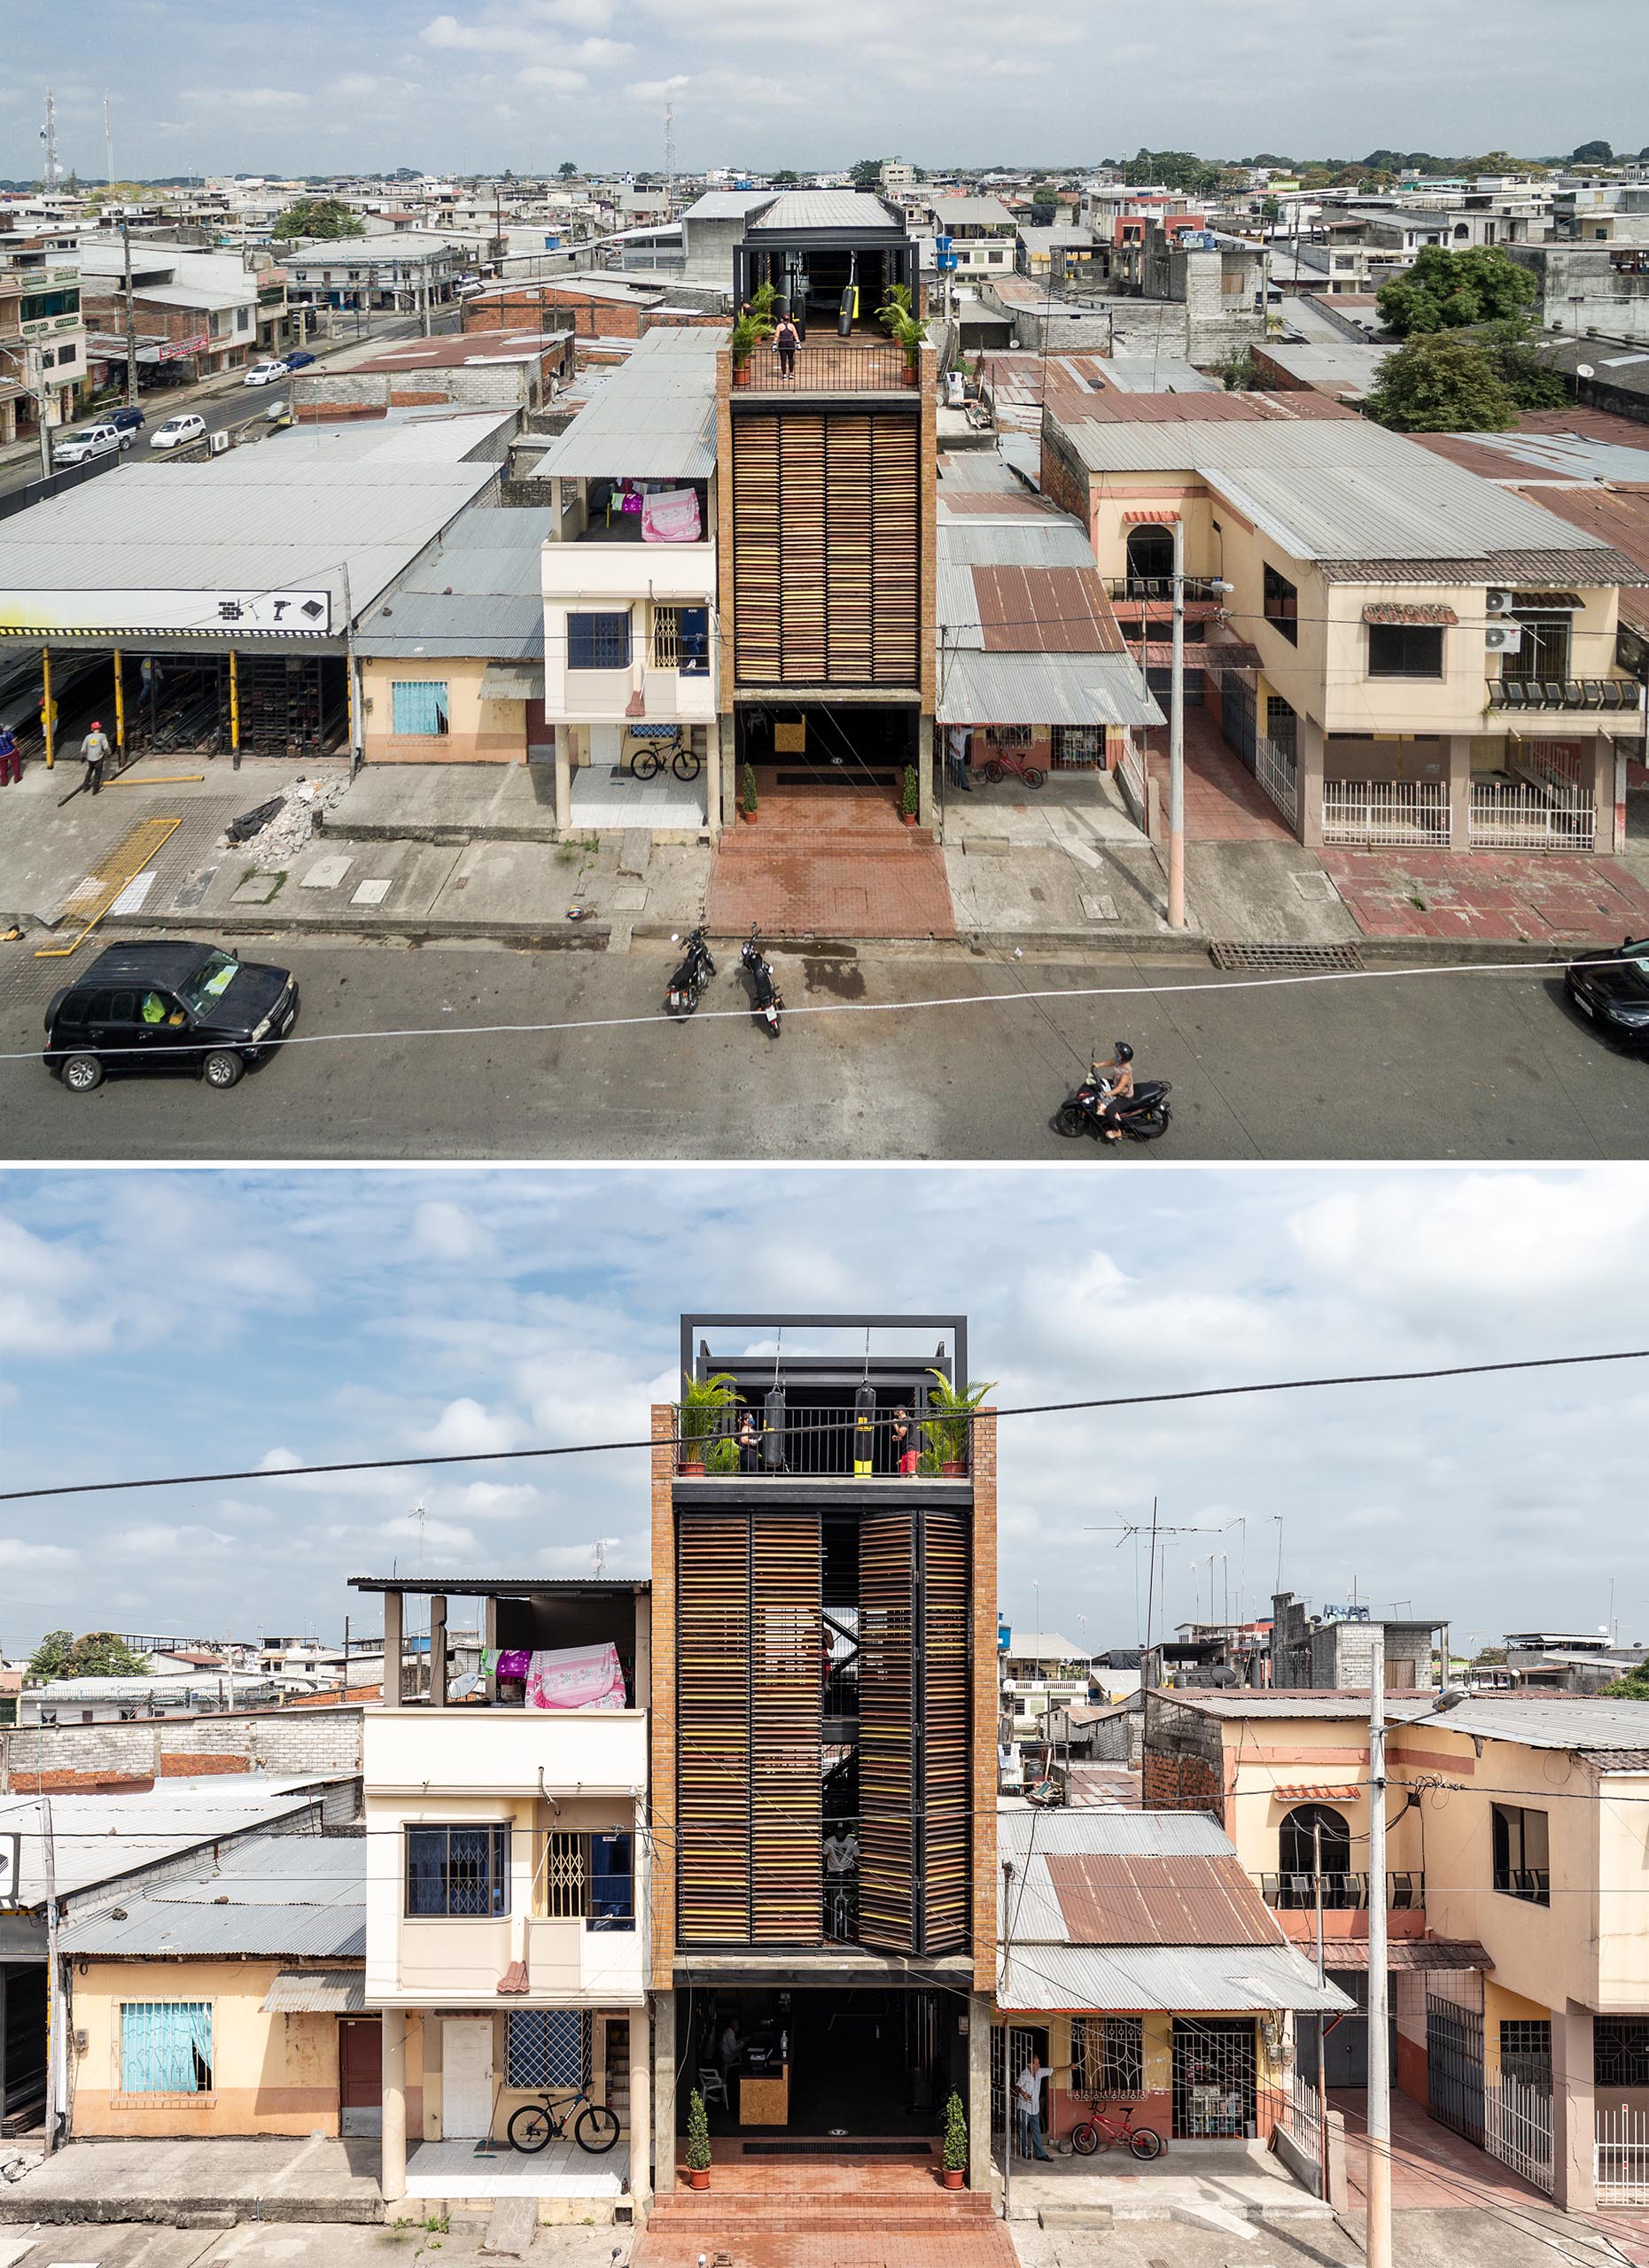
(847, 2148)
(1225, 954)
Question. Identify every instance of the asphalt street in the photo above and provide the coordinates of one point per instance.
(1461, 1065)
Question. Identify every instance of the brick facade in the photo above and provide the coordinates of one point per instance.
(592, 317)
(985, 1699)
(66, 1759)
(662, 1726)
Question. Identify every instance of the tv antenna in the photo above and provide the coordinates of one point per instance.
(418, 1514)
(598, 1554)
(49, 135)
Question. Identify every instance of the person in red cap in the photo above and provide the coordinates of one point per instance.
(94, 751)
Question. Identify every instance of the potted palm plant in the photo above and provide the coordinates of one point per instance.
(950, 1424)
(698, 2142)
(910, 797)
(954, 2159)
(699, 1419)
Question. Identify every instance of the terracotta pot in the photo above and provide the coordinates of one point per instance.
(952, 2177)
(909, 818)
(691, 1468)
(954, 1469)
(749, 817)
(699, 2177)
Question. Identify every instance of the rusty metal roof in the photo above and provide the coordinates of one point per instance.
(1395, 613)
(1044, 610)
(1111, 1899)
(1409, 1952)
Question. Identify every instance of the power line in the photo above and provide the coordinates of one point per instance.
(650, 1442)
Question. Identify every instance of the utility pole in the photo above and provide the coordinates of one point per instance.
(1007, 2043)
(1378, 2240)
(1322, 1979)
(1177, 743)
(131, 319)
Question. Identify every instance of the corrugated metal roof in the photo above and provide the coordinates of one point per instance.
(1582, 1721)
(655, 419)
(1139, 1834)
(952, 212)
(97, 1839)
(302, 1896)
(1121, 1898)
(513, 681)
(1208, 1978)
(1056, 541)
(980, 688)
(480, 593)
(1410, 1953)
(317, 1992)
(828, 208)
(728, 204)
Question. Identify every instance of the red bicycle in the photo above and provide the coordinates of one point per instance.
(1007, 764)
(1103, 2127)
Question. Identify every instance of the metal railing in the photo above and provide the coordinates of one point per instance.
(1278, 774)
(1343, 1893)
(1552, 813)
(1532, 1885)
(1517, 2128)
(838, 367)
(1159, 589)
(1597, 693)
(1407, 814)
(1621, 2156)
(756, 1440)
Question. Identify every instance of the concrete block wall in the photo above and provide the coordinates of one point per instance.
(66, 1759)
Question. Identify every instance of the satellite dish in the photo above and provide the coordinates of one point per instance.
(1583, 370)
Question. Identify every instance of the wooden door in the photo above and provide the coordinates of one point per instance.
(466, 2078)
(360, 2074)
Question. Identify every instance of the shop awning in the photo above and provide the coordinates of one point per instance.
(1157, 517)
(1042, 1977)
(1304, 1793)
(316, 1991)
(513, 681)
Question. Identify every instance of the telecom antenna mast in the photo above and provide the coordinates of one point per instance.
(49, 135)
(669, 161)
(108, 140)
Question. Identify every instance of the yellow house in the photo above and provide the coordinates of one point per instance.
(1412, 656)
(1517, 1876)
(225, 1998)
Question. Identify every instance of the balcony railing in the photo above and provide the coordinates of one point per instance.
(1343, 1893)
(759, 1441)
(838, 367)
(1570, 693)
(1159, 589)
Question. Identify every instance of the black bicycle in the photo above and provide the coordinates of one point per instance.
(652, 761)
(536, 2124)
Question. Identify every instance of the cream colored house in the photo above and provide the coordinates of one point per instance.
(1517, 1897)
(629, 595)
(1413, 657)
(507, 1905)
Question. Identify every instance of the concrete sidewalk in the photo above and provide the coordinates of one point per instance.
(1210, 2185)
(201, 2184)
(298, 2244)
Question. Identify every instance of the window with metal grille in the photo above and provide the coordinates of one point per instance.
(1620, 2052)
(1075, 744)
(1404, 649)
(166, 2047)
(1521, 1856)
(566, 1877)
(1007, 735)
(458, 1871)
(418, 707)
(598, 641)
(1109, 2054)
(1282, 605)
(547, 2048)
(1526, 2050)
(1214, 2076)
(591, 1878)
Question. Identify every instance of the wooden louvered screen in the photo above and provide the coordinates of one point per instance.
(787, 1690)
(712, 1730)
(886, 1744)
(827, 549)
(947, 1795)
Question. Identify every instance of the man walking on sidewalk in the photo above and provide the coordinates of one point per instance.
(11, 761)
(94, 751)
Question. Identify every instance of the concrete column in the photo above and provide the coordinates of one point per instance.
(1459, 791)
(1310, 743)
(394, 2178)
(392, 1649)
(712, 775)
(564, 777)
(1610, 789)
(1573, 2126)
(641, 2106)
(728, 760)
(489, 1639)
(927, 811)
(437, 1651)
(979, 2090)
(663, 2094)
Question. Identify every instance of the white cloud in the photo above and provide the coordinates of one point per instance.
(18, 1555)
(552, 79)
(451, 1231)
(465, 1428)
(254, 98)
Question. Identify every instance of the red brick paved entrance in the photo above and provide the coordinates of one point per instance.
(1431, 2165)
(1491, 895)
(833, 2211)
(1224, 801)
(828, 862)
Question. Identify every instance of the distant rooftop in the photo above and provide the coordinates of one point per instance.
(655, 418)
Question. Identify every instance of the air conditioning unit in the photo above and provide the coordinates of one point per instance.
(218, 443)
(1499, 603)
(1504, 637)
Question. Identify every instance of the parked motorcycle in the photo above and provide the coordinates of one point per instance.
(766, 999)
(687, 986)
(1143, 1117)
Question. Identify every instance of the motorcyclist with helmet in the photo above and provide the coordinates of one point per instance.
(1112, 1085)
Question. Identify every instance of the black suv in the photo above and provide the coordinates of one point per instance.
(142, 1005)
(1611, 989)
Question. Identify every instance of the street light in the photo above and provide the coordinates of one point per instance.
(1177, 737)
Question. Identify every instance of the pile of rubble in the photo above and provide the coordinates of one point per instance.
(272, 834)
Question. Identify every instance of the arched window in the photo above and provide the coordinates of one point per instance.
(1296, 1841)
(1461, 231)
(1150, 559)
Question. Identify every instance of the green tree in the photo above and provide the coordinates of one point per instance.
(1633, 1686)
(1525, 374)
(325, 218)
(566, 170)
(866, 173)
(51, 1657)
(1593, 153)
(1442, 383)
(786, 180)
(1450, 291)
(99, 1653)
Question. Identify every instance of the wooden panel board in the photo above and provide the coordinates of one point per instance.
(787, 1691)
(886, 1734)
(712, 1729)
(947, 1803)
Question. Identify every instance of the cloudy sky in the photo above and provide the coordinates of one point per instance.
(154, 1323)
(219, 85)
